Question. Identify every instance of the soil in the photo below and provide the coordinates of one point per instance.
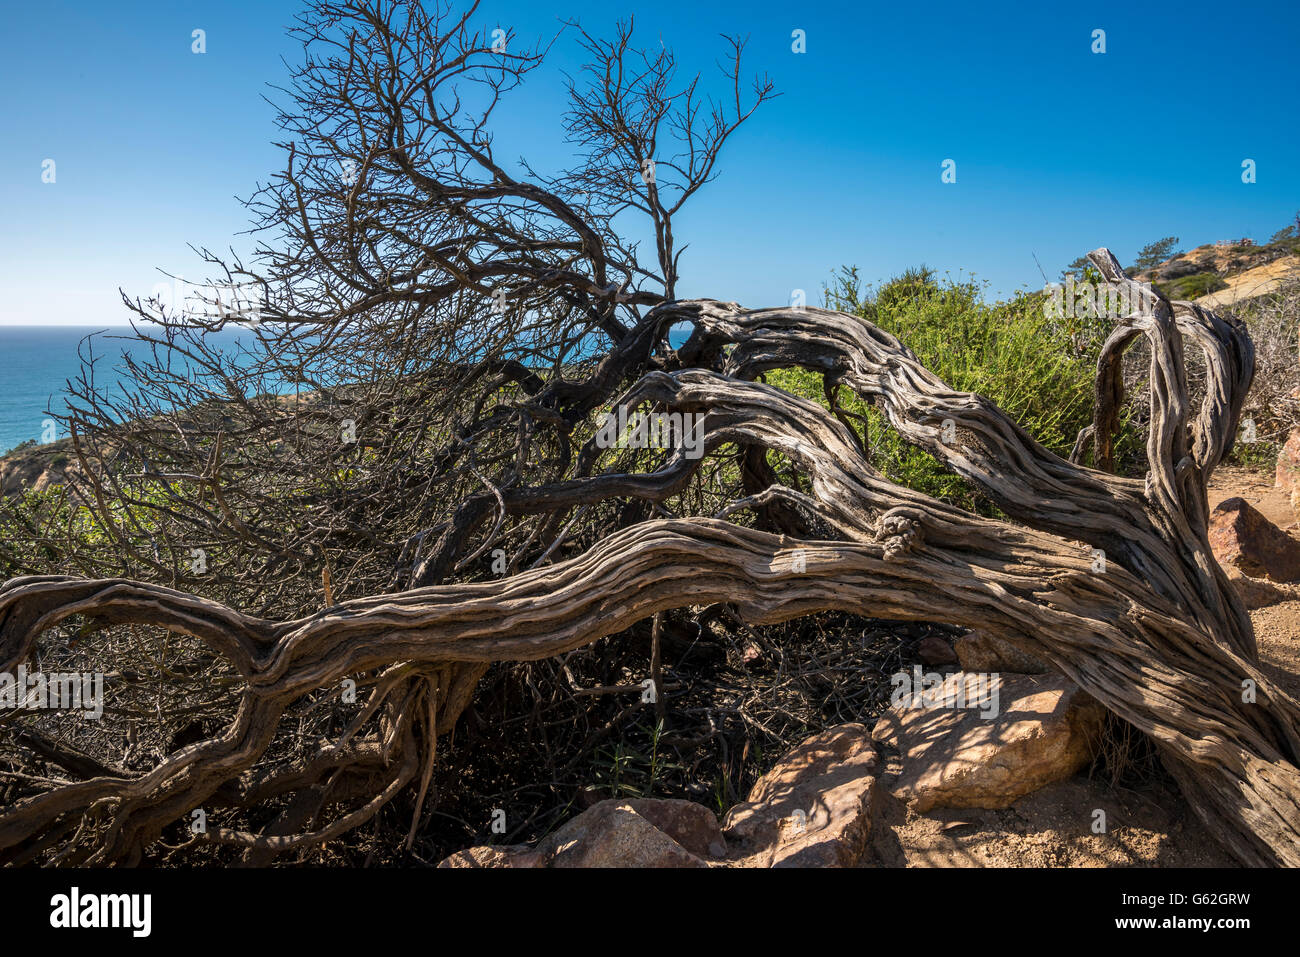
(1052, 827)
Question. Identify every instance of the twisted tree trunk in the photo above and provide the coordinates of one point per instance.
(1154, 632)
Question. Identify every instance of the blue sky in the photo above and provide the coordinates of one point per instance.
(1057, 149)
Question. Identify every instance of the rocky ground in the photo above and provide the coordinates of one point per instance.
(924, 788)
(933, 785)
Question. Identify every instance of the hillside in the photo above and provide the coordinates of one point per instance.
(1225, 274)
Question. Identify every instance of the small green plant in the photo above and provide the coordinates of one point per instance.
(623, 770)
(1256, 456)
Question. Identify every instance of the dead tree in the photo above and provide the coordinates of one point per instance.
(475, 430)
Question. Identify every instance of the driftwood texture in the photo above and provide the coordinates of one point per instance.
(1158, 636)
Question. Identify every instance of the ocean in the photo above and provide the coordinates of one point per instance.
(36, 363)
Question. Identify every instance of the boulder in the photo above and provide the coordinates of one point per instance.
(1241, 536)
(643, 832)
(813, 809)
(691, 825)
(978, 651)
(1027, 731)
(614, 833)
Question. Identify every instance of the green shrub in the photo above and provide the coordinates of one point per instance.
(916, 285)
(1193, 286)
(1037, 370)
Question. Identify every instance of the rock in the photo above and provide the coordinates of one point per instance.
(935, 651)
(1241, 536)
(1288, 468)
(1253, 592)
(691, 825)
(980, 652)
(614, 834)
(508, 855)
(1041, 729)
(813, 809)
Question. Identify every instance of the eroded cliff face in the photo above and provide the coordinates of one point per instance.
(1243, 272)
(36, 467)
